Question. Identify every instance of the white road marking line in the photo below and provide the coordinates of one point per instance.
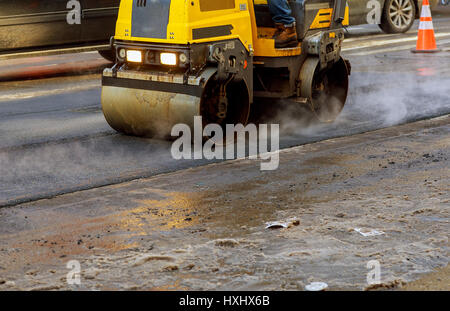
(440, 24)
(371, 37)
(393, 49)
(54, 52)
(387, 42)
(32, 94)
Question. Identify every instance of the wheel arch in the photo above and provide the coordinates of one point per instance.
(416, 4)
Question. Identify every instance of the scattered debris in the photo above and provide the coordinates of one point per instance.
(144, 259)
(31, 272)
(368, 232)
(392, 284)
(296, 223)
(316, 287)
(171, 268)
(91, 274)
(189, 267)
(227, 243)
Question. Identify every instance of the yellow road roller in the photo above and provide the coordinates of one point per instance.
(178, 59)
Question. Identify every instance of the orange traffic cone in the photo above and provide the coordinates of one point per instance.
(426, 42)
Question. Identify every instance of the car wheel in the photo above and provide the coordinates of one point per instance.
(108, 55)
(398, 16)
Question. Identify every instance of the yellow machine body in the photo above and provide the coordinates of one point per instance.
(185, 17)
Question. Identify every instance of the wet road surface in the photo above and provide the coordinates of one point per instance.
(54, 139)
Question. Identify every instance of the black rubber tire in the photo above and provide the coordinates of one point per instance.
(388, 26)
(108, 55)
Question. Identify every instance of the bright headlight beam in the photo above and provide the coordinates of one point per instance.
(169, 59)
(134, 56)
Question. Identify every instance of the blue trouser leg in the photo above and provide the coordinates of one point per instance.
(281, 12)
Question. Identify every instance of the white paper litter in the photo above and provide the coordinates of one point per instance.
(277, 225)
(316, 287)
(368, 233)
(283, 224)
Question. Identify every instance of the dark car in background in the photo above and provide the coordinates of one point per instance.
(393, 16)
(31, 24)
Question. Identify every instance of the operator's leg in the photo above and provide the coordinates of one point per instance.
(286, 36)
(281, 12)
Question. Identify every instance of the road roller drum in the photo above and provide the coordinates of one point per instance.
(143, 113)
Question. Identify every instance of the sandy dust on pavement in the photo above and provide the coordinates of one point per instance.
(380, 198)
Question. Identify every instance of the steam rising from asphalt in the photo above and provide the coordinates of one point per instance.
(400, 97)
(376, 100)
(27, 171)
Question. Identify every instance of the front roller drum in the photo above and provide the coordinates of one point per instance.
(151, 113)
(147, 113)
(325, 89)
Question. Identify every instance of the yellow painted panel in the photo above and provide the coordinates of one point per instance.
(346, 21)
(184, 17)
(123, 26)
(208, 5)
(266, 48)
(323, 19)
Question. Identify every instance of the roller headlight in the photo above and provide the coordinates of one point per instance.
(169, 59)
(122, 53)
(134, 56)
(183, 58)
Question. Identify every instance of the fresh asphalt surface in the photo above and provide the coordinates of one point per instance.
(54, 139)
